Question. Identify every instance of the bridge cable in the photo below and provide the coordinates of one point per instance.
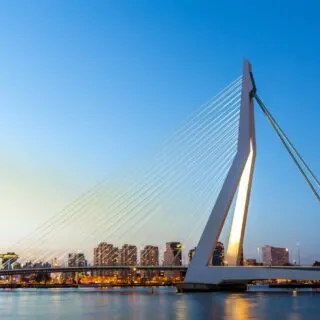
(224, 99)
(287, 144)
(288, 141)
(206, 107)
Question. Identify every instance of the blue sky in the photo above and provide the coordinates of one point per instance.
(87, 88)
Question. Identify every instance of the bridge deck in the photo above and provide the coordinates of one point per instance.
(90, 269)
(4, 272)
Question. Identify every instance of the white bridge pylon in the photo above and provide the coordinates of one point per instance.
(239, 177)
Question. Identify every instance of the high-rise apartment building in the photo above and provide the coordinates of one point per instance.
(173, 254)
(128, 255)
(105, 254)
(76, 260)
(149, 256)
(272, 256)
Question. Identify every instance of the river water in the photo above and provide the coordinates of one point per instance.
(164, 303)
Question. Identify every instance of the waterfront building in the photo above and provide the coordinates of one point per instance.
(41, 264)
(250, 262)
(173, 254)
(149, 256)
(27, 265)
(105, 254)
(76, 260)
(96, 257)
(128, 255)
(273, 256)
(116, 256)
(218, 255)
(37, 265)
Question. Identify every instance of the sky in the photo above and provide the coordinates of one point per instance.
(88, 88)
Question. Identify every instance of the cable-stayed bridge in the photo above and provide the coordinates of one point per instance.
(198, 182)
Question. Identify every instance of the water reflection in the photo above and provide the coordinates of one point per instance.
(163, 304)
(181, 310)
(238, 307)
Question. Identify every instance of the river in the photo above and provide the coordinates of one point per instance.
(163, 303)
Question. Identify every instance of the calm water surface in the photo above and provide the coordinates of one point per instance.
(162, 304)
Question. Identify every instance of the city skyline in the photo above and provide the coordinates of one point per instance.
(172, 253)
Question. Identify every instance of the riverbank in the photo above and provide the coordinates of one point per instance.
(91, 285)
